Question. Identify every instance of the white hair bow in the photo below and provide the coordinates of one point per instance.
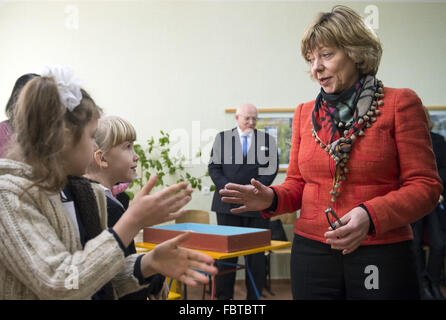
(69, 88)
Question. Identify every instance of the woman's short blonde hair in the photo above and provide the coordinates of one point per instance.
(112, 131)
(345, 29)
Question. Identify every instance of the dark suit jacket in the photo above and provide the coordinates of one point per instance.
(439, 146)
(227, 164)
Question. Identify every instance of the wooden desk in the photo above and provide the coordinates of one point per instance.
(145, 246)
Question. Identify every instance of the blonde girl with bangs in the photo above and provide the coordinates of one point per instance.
(115, 161)
(55, 240)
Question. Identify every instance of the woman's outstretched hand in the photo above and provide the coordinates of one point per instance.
(178, 263)
(253, 197)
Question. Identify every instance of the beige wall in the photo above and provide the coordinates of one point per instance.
(177, 65)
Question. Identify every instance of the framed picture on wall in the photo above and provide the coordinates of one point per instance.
(438, 117)
(277, 122)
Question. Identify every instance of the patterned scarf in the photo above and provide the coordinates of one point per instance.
(340, 119)
(335, 113)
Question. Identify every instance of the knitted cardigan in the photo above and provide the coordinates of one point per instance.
(41, 256)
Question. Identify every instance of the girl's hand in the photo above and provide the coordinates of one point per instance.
(160, 207)
(178, 263)
(348, 237)
(147, 210)
(253, 197)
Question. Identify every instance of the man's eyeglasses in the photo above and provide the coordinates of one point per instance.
(253, 119)
(332, 217)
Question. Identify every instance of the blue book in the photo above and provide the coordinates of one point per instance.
(211, 237)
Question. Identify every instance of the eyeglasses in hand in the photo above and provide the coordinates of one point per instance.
(332, 217)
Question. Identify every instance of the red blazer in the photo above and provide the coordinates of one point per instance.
(392, 171)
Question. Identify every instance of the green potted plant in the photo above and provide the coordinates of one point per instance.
(155, 158)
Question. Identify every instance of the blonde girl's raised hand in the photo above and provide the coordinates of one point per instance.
(146, 210)
(161, 206)
(178, 263)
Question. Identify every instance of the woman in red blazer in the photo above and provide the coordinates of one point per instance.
(361, 170)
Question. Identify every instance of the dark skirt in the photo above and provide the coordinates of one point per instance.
(386, 272)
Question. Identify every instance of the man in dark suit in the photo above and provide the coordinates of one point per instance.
(429, 271)
(238, 155)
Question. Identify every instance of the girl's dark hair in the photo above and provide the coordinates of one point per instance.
(18, 86)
